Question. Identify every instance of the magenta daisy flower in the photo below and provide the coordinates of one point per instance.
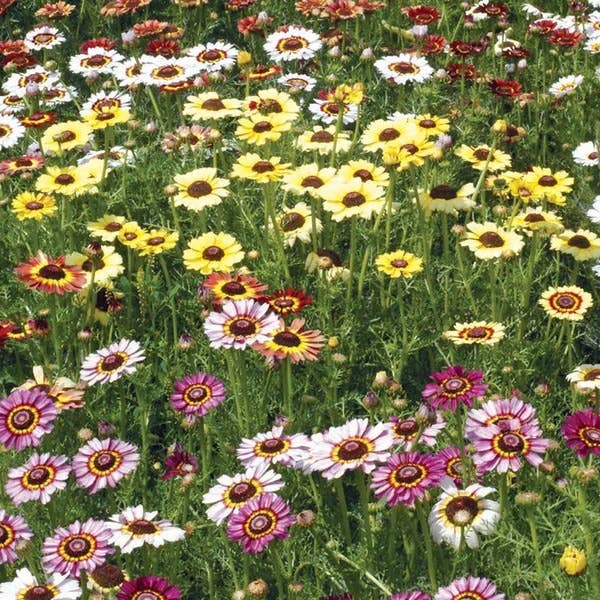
(273, 447)
(232, 493)
(78, 547)
(469, 588)
(101, 463)
(451, 458)
(14, 532)
(25, 416)
(405, 432)
(412, 595)
(502, 450)
(195, 395)
(581, 432)
(259, 522)
(40, 477)
(149, 588)
(506, 414)
(406, 477)
(240, 324)
(454, 386)
(180, 463)
(109, 364)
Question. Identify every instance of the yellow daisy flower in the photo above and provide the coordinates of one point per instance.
(210, 106)
(478, 156)
(477, 332)
(320, 139)
(31, 205)
(364, 170)
(566, 302)
(259, 129)
(550, 186)
(212, 252)
(382, 133)
(536, 220)
(296, 223)
(432, 125)
(581, 244)
(252, 166)
(106, 117)
(307, 179)
(60, 137)
(130, 234)
(447, 199)
(489, 241)
(409, 150)
(107, 227)
(156, 241)
(272, 102)
(200, 188)
(345, 199)
(573, 561)
(109, 265)
(399, 264)
(68, 181)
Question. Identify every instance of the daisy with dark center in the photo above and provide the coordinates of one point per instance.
(459, 513)
(14, 532)
(26, 586)
(107, 228)
(381, 133)
(296, 223)
(566, 302)
(321, 139)
(507, 414)
(158, 70)
(38, 120)
(40, 477)
(195, 395)
(355, 445)
(346, 199)
(33, 205)
(135, 527)
(209, 105)
(107, 117)
(241, 323)
(288, 301)
(156, 241)
(273, 447)
(179, 463)
(76, 548)
(364, 170)
(95, 60)
(406, 477)
(109, 364)
(581, 244)
(212, 252)
(272, 101)
(252, 166)
(536, 220)
(410, 431)
(103, 463)
(226, 286)
(11, 131)
(501, 449)
(25, 417)
(21, 164)
(587, 154)
(447, 199)
(488, 241)
(292, 342)
(214, 57)
(581, 432)
(550, 186)
(469, 588)
(107, 265)
(259, 129)
(65, 136)
(454, 386)
(68, 181)
(149, 587)
(49, 275)
(452, 462)
(200, 188)
(106, 579)
(328, 110)
(476, 332)
(404, 68)
(585, 378)
(399, 264)
(292, 43)
(307, 179)
(298, 82)
(483, 157)
(232, 493)
(62, 390)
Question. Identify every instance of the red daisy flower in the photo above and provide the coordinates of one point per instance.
(50, 275)
(288, 301)
(581, 432)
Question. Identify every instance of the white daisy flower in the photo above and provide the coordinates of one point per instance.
(594, 211)
(58, 94)
(95, 60)
(566, 85)
(11, 131)
(213, 57)
(585, 378)
(101, 101)
(109, 364)
(158, 70)
(327, 111)
(11, 105)
(273, 447)
(26, 585)
(43, 37)
(404, 68)
(293, 43)
(596, 269)
(128, 72)
(16, 83)
(118, 156)
(593, 45)
(586, 154)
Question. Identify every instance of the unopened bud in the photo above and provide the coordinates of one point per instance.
(258, 588)
(371, 400)
(85, 434)
(528, 498)
(381, 379)
(305, 518)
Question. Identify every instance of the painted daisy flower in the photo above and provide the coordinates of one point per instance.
(452, 464)
(585, 378)
(219, 287)
(355, 445)
(179, 463)
(195, 395)
(469, 588)
(483, 157)
(33, 205)
(213, 57)
(11, 131)
(321, 139)
(507, 414)
(26, 586)
(252, 166)
(288, 301)
(399, 264)
(537, 220)
(135, 527)
(581, 244)
(406, 477)
(567, 302)
(69, 180)
(14, 532)
(346, 199)
(405, 431)
(106, 579)
(149, 588)
(296, 223)
(586, 154)
(231, 493)
(292, 43)
(459, 512)
(96, 60)
(292, 342)
(260, 129)
(209, 105)
(103, 463)
(447, 199)
(454, 386)
(501, 449)
(581, 432)
(565, 86)
(212, 252)
(241, 323)
(25, 417)
(107, 265)
(271, 102)
(259, 522)
(40, 477)
(488, 241)
(43, 37)
(200, 188)
(273, 447)
(49, 275)
(158, 70)
(476, 332)
(307, 179)
(404, 68)
(62, 390)
(109, 364)
(298, 82)
(380, 133)
(76, 548)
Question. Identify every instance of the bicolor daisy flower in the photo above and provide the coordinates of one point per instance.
(292, 342)
(252, 166)
(506, 413)
(585, 378)
(14, 532)
(62, 390)
(103, 463)
(212, 252)
(566, 302)
(179, 463)
(273, 447)
(259, 522)
(109, 364)
(454, 386)
(298, 82)
(465, 512)
(26, 586)
(292, 43)
(209, 105)
(406, 477)
(49, 275)
(213, 57)
(408, 432)
(447, 199)
(200, 188)
(354, 445)
(220, 287)
(452, 458)
(581, 432)
(586, 154)
(196, 394)
(297, 223)
(149, 587)
(404, 68)
(231, 493)
(477, 332)
(32, 205)
(288, 301)
(321, 139)
(581, 244)
(346, 199)
(469, 588)
(134, 527)
(76, 548)
(25, 417)
(11, 131)
(107, 579)
(487, 241)
(40, 477)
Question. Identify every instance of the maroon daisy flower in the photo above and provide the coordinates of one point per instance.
(25, 416)
(406, 477)
(285, 302)
(179, 463)
(13, 531)
(195, 395)
(149, 587)
(454, 386)
(451, 458)
(581, 432)
(259, 522)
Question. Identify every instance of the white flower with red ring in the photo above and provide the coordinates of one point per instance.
(109, 364)
(26, 586)
(273, 447)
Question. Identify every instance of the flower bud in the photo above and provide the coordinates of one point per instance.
(528, 498)
(85, 334)
(333, 342)
(573, 561)
(371, 400)
(185, 341)
(305, 518)
(85, 434)
(381, 379)
(258, 588)
(106, 429)
(367, 54)
(244, 58)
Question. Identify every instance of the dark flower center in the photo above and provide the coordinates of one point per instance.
(212, 55)
(52, 272)
(363, 174)
(149, 595)
(443, 192)
(579, 241)
(105, 116)
(213, 104)
(477, 332)
(427, 124)
(34, 205)
(261, 523)
(213, 253)
(22, 419)
(5, 534)
(404, 68)
(565, 301)
(591, 436)
(410, 148)
(233, 288)
(108, 576)
(197, 393)
(291, 221)
(262, 166)
(353, 199)
(406, 428)
(38, 476)
(272, 446)
(64, 136)
(322, 137)
(112, 362)
(591, 375)
(77, 547)
(167, 72)
(287, 338)
(534, 218)
(97, 61)
(142, 527)
(243, 327)
(511, 443)
(399, 263)
(352, 450)
(389, 134)
(242, 491)
(39, 592)
(461, 510)
(490, 239)
(292, 44)
(23, 162)
(481, 154)
(454, 384)
(547, 181)
(408, 474)
(312, 181)
(262, 126)
(198, 189)
(593, 155)
(104, 461)
(65, 179)
(156, 241)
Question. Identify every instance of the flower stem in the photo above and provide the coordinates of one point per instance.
(339, 489)
(428, 547)
(536, 552)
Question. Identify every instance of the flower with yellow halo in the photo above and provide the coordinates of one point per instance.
(399, 264)
(212, 252)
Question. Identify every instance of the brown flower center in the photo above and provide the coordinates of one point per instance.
(427, 124)
(262, 166)
(52, 272)
(490, 239)
(461, 510)
(199, 189)
(213, 104)
(272, 446)
(142, 527)
(363, 174)
(22, 419)
(454, 385)
(534, 218)
(34, 205)
(233, 288)
(64, 136)
(407, 474)
(566, 301)
(591, 375)
(388, 134)
(167, 72)
(579, 241)
(104, 461)
(156, 241)
(353, 199)
(242, 492)
(322, 137)
(39, 476)
(112, 362)
(291, 221)
(212, 55)
(261, 523)
(406, 428)
(511, 443)
(399, 263)
(481, 153)
(213, 253)
(547, 181)
(98, 60)
(477, 332)
(243, 327)
(65, 179)
(410, 148)
(113, 226)
(262, 126)
(292, 44)
(404, 68)
(312, 181)
(39, 592)
(352, 450)
(77, 547)
(443, 192)
(287, 339)
(108, 576)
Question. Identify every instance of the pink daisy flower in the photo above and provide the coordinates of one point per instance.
(472, 588)
(259, 522)
(102, 463)
(581, 432)
(510, 413)
(149, 588)
(40, 477)
(406, 477)
(405, 432)
(232, 493)
(502, 450)
(25, 416)
(454, 386)
(240, 324)
(14, 532)
(348, 447)
(451, 458)
(78, 547)
(109, 364)
(273, 447)
(195, 395)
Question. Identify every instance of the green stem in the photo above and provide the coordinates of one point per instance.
(536, 553)
(382, 586)
(361, 483)
(428, 547)
(339, 489)
(353, 226)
